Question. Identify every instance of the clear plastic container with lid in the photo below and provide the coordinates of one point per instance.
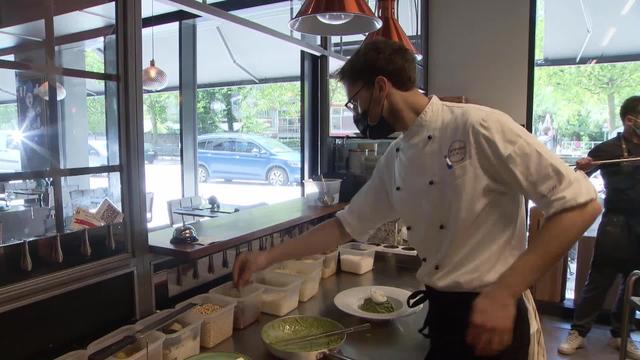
(310, 270)
(248, 302)
(281, 291)
(329, 264)
(216, 313)
(182, 335)
(74, 355)
(357, 258)
(147, 346)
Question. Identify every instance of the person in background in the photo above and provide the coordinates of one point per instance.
(617, 249)
(457, 177)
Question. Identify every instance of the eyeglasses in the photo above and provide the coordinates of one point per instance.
(352, 104)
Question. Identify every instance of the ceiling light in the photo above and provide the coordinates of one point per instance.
(391, 29)
(335, 18)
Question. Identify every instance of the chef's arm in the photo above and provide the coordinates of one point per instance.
(322, 238)
(559, 232)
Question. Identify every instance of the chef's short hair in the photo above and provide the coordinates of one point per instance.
(631, 106)
(380, 57)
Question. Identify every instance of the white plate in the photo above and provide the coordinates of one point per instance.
(350, 300)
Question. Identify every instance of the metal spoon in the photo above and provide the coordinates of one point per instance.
(325, 198)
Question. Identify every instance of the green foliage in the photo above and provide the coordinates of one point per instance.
(253, 106)
(337, 93)
(161, 109)
(96, 115)
(582, 100)
(93, 61)
(8, 117)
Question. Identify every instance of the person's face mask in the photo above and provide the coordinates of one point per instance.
(379, 130)
(636, 125)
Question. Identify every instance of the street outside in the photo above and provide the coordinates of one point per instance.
(163, 180)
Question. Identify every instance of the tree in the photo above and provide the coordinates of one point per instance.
(156, 109)
(93, 61)
(96, 115)
(8, 116)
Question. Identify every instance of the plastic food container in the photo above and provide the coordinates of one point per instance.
(147, 347)
(248, 302)
(310, 270)
(216, 326)
(281, 291)
(357, 258)
(181, 344)
(329, 264)
(315, 191)
(74, 355)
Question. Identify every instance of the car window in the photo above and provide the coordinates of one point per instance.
(275, 145)
(228, 145)
(247, 147)
(210, 145)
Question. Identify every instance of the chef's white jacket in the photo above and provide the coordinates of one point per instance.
(457, 178)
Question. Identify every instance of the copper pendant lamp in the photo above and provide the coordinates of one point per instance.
(391, 28)
(335, 18)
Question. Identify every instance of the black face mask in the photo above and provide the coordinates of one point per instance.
(380, 130)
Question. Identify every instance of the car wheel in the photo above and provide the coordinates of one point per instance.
(277, 176)
(203, 174)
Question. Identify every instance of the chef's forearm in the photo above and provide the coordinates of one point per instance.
(324, 237)
(553, 241)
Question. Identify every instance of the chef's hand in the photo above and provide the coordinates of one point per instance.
(246, 265)
(584, 164)
(491, 325)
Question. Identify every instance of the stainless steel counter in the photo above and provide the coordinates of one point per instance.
(397, 339)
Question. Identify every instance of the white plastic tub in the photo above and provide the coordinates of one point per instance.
(316, 190)
(310, 270)
(74, 355)
(182, 344)
(329, 264)
(147, 347)
(357, 258)
(248, 302)
(217, 326)
(281, 292)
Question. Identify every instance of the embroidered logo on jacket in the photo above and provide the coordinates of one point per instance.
(457, 152)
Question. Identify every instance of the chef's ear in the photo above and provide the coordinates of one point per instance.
(381, 86)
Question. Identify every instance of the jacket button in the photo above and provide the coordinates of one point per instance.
(431, 182)
(408, 228)
(398, 188)
(429, 137)
(437, 267)
(441, 226)
(397, 149)
(424, 260)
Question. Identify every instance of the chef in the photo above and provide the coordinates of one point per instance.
(457, 177)
(617, 249)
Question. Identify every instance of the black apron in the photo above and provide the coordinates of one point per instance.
(618, 237)
(447, 322)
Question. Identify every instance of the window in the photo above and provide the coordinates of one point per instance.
(59, 136)
(247, 147)
(580, 83)
(252, 109)
(227, 146)
(163, 171)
